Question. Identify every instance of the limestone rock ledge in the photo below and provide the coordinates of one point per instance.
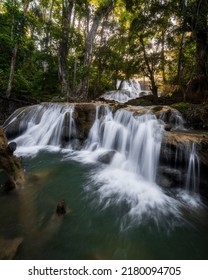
(10, 164)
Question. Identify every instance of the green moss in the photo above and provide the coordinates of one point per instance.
(181, 106)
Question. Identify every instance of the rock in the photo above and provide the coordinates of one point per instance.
(61, 208)
(11, 148)
(65, 130)
(168, 127)
(169, 177)
(9, 247)
(84, 117)
(106, 157)
(10, 164)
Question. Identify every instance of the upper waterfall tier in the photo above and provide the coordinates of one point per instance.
(125, 91)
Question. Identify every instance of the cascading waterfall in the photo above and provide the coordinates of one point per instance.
(125, 91)
(129, 143)
(174, 118)
(132, 145)
(136, 140)
(47, 125)
(193, 171)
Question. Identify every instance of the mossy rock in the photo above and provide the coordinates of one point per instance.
(181, 106)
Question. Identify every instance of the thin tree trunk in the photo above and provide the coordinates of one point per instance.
(48, 29)
(99, 15)
(163, 57)
(12, 67)
(153, 86)
(14, 56)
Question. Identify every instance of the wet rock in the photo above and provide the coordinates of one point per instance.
(106, 157)
(176, 140)
(169, 177)
(11, 148)
(168, 127)
(10, 164)
(65, 129)
(84, 116)
(61, 208)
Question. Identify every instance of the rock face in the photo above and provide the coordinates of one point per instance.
(84, 117)
(10, 164)
(174, 158)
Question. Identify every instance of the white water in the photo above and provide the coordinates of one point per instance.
(193, 171)
(175, 119)
(132, 145)
(44, 128)
(129, 178)
(125, 91)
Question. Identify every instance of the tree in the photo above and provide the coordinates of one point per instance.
(17, 31)
(67, 8)
(102, 11)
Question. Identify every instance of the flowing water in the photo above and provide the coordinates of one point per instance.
(125, 91)
(116, 210)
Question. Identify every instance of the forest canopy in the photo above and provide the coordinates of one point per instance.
(77, 49)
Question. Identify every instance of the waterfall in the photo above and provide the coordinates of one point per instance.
(125, 91)
(130, 145)
(45, 125)
(174, 118)
(124, 147)
(127, 142)
(136, 140)
(193, 171)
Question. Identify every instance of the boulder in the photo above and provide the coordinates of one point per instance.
(106, 157)
(84, 117)
(61, 208)
(169, 177)
(10, 164)
(11, 148)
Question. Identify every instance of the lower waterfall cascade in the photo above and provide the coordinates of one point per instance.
(132, 143)
(116, 182)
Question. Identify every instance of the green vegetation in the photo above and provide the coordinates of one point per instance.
(181, 106)
(76, 49)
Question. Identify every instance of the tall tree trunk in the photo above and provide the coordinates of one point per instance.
(12, 67)
(163, 57)
(100, 14)
(14, 55)
(150, 70)
(48, 29)
(67, 6)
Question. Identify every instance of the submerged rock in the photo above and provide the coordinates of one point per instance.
(9, 247)
(61, 208)
(106, 157)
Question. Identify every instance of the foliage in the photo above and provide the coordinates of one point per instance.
(154, 39)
